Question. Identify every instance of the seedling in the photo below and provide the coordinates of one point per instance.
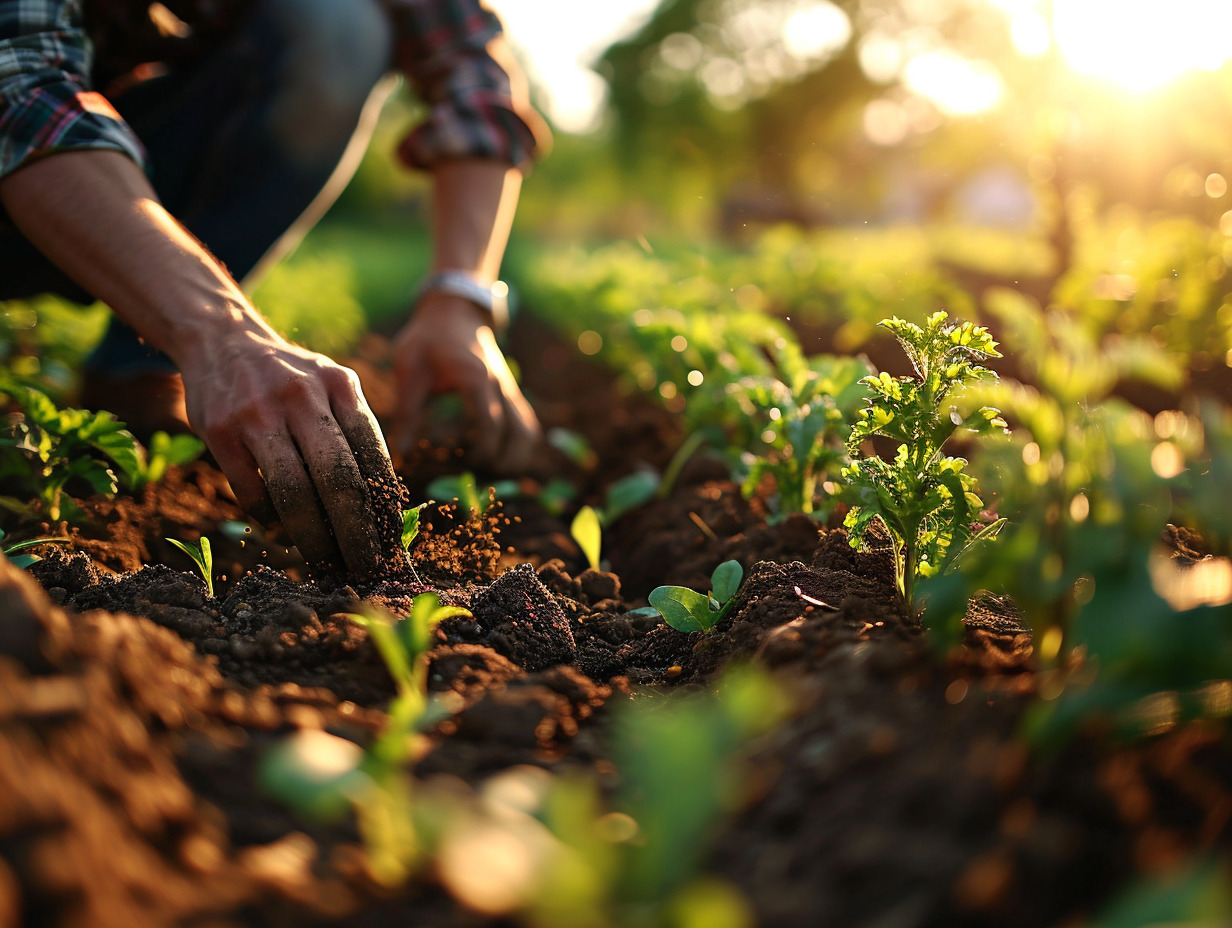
(463, 488)
(322, 775)
(404, 645)
(689, 611)
(588, 533)
(385, 812)
(925, 499)
(164, 451)
(25, 560)
(803, 427)
(410, 525)
(574, 446)
(202, 556)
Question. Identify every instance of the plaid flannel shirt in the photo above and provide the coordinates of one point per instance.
(50, 97)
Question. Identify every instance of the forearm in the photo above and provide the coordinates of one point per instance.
(473, 208)
(94, 214)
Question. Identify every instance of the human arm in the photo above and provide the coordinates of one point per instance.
(449, 345)
(479, 136)
(289, 428)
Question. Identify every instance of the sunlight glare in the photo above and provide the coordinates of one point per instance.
(1143, 45)
(958, 86)
(816, 31)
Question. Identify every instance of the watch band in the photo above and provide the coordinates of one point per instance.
(494, 299)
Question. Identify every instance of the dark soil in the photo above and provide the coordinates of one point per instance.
(134, 708)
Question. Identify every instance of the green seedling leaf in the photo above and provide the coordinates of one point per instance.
(725, 580)
(645, 612)
(22, 561)
(389, 644)
(463, 488)
(588, 533)
(555, 495)
(410, 525)
(686, 450)
(683, 609)
(416, 630)
(203, 557)
(166, 451)
(316, 773)
(574, 446)
(628, 493)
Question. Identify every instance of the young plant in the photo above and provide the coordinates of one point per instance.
(46, 449)
(689, 611)
(636, 855)
(587, 531)
(463, 488)
(164, 451)
(803, 422)
(25, 560)
(923, 497)
(325, 776)
(410, 525)
(202, 556)
(1089, 485)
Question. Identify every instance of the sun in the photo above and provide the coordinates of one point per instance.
(1142, 44)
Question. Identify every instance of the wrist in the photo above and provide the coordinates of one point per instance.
(490, 298)
(219, 336)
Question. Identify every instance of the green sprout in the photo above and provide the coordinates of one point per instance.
(25, 560)
(322, 776)
(803, 422)
(202, 556)
(464, 488)
(164, 451)
(689, 611)
(924, 498)
(410, 525)
(587, 531)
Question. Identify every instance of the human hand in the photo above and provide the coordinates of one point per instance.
(293, 434)
(448, 346)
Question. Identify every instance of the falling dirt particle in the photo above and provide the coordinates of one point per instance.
(985, 881)
(285, 863)
(1017, 820)
(200, 854)
(956, 692)
(882, 741)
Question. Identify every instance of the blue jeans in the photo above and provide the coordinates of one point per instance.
(247, 148)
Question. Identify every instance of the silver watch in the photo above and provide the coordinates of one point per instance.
(494, 299)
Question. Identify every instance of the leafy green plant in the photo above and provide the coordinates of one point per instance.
(1128, 641)
(804, 422)
(202, 556)
(46, 449)
(162, 452)
(689, 611)
(924, 498)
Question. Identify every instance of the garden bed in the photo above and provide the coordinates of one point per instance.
(895, 791)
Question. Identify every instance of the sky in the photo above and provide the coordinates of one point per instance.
(558, 40)
(1136, 44)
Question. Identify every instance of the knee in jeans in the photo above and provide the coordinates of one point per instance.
(336, 51)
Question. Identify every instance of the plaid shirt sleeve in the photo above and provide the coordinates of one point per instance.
(476, 97)
(46, 101)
